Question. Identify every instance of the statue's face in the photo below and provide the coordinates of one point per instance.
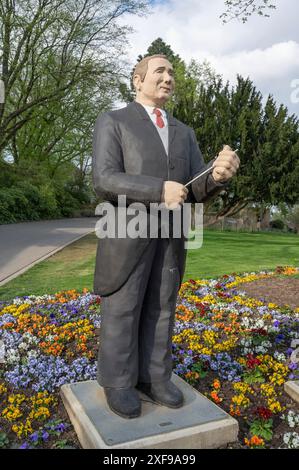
(158, 84)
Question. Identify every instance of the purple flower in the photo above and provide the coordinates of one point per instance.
(279, 338)
(34, 437)
(61, 427)
(25, 445)
(49, 373)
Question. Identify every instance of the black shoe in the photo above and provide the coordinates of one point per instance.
(125, 402)
(164, 393)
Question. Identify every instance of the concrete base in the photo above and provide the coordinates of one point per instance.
(292, 388)
(199, 424)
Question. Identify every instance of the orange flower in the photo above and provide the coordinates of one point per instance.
(255, 441)
(215, 397)
(234, 411)
(183, 313)
(216, 384)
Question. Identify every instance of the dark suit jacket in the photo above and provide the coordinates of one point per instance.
(129, 158)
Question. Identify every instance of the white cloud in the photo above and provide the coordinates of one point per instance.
(273, 62)
(266, 50)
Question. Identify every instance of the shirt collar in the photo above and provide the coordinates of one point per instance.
(150, 110)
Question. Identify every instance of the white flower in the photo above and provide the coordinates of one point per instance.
(49, 337)
(279, 356)
(294, 334)
(273, 329)
(245, 322)
(12, 352)
(33, 299)
(247, 351)
(260, 349)
(32, 353)
(266, 344)
(12, 356)
(291, 439)
(292, 418)
(246, 341)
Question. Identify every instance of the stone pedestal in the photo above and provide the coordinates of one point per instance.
(199, 424)
(292, 388)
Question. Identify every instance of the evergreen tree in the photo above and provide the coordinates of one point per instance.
(266, 137)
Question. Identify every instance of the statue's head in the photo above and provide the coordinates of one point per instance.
(153, 79)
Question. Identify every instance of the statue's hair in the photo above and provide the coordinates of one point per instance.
(142, 66)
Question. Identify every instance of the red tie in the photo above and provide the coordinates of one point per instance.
(159, 120)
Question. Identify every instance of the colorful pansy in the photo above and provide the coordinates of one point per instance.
(234, 349)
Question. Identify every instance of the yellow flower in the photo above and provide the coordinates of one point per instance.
(274, 405)
(11, 413)
(22, 429)
(225, 345)
(248, 278)
(209, 337)
(40, 413)
(267, 390)
(242, 387)
(3, 389)
(17, 398)
(241, 400)
(241, 361)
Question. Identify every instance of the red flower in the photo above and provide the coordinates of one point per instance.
(263, 412)
(202, 308)
(222, 294)
(252, 362)
(259, 331)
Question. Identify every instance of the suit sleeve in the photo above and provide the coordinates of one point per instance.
(205, 188)
(109, 176)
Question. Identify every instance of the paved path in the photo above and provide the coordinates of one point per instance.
(27, 243)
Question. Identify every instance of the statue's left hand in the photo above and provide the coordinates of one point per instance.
(226, 165)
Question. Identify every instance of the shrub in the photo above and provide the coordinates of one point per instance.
(278, 224)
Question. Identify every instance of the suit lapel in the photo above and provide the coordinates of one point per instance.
(171, 133)
(142, 114)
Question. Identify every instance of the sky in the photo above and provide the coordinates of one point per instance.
(264, 49)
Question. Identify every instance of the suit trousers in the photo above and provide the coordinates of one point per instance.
(137, 321)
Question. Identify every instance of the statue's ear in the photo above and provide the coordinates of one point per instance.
(136, 81)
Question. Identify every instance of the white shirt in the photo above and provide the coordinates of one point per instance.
(163, 132)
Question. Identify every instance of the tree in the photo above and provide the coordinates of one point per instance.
(62, 61)
(267, 139)
(49, 47)
(289, 215)
(243, 9)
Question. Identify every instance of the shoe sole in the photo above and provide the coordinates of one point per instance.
(122, 415)
(161, 402)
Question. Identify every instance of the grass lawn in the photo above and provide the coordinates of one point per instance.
(221, 253)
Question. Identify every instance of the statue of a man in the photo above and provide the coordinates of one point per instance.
(142, 152)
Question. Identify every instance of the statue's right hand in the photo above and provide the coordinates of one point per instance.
(174, 194)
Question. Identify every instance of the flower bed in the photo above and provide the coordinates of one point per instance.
(234, 349)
